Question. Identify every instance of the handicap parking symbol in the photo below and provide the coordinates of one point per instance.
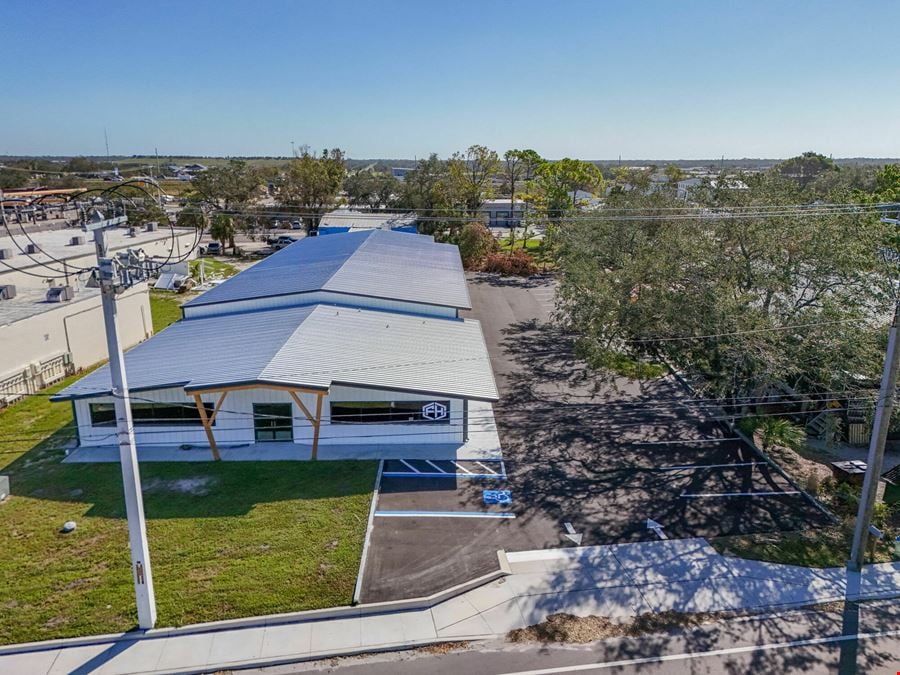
(497, 497)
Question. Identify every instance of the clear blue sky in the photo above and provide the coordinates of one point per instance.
(403, 78)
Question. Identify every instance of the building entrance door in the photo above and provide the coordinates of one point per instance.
(272, 422)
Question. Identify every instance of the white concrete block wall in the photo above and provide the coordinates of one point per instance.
(75, 327)
(234, 422)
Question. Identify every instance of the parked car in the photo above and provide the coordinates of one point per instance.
(283, 241)
(296, 225)
(213, 248)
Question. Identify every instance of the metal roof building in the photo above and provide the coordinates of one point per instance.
(356, 349)
(373, 268)
(310, 348)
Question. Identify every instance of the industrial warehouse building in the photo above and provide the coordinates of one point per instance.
(49, 314)
(343, 346)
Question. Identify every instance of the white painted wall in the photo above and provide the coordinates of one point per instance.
(234, 422)
(323, 297)
(84, 256)
(75, 327)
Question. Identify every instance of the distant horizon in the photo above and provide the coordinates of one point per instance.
(577, 79)
(631, 160)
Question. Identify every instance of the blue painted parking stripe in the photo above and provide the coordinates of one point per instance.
(423, 474)
(444, 514)
(434, 466)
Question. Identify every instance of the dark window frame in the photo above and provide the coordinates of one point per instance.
(384, 412)
(150, 414)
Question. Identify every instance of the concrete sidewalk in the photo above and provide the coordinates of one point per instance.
(619, 582)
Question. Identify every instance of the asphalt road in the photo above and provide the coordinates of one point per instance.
(601, 455)
(793, 642)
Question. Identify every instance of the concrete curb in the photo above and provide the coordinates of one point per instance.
(393, 606)
(357, 589)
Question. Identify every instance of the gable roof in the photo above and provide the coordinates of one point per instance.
(372, 263)
(310, 347)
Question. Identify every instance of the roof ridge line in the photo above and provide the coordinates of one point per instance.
(366, 238)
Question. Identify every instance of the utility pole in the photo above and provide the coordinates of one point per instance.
(112, 282)
(884, 407)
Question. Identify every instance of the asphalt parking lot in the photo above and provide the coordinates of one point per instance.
(586, 461)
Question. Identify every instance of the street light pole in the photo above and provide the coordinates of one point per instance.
(131, 478)
(883, 409)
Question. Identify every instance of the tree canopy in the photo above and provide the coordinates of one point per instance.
(313, 183)
(744, 303)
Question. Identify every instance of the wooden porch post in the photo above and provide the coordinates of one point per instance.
(207, 423)
(314, 421)
(317, 425)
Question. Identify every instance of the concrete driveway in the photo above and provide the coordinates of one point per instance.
(586, 462)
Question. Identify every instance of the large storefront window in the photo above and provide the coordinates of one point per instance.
(150, 414)
(390, 412)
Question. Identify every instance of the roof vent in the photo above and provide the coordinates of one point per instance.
(76, 241)
(6, 253)
(7, 292)
(60, 294)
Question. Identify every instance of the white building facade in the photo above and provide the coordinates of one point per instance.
(350, 341)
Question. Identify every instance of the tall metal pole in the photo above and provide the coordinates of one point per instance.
(875, 459)
(131, 478)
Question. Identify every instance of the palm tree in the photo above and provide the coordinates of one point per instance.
(775, 431)
(222, 230)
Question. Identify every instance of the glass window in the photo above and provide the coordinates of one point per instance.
(273, 421)
(150, 414)
(388, 412)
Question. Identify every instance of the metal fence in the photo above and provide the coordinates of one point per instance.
(34, 377)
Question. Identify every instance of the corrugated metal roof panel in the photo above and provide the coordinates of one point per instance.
(231, 348)
(310, 347)
(374, 263)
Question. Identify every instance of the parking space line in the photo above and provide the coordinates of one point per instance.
(461, 468)
(773, 493)
(703, 466)
(486, 468)
(695, 440)
(409, 466)
(435, 466)
(444, 514)
(443, 474)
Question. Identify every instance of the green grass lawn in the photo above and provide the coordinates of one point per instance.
(531, 245)
(226, 539)
(213, 268)
(165, 309)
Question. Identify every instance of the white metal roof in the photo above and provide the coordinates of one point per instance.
(372, 263)
(309, 347)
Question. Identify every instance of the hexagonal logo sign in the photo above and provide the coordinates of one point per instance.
(434, 411)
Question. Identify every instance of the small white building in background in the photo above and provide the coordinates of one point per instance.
(502, 213)
(51, 324)
(349, 346)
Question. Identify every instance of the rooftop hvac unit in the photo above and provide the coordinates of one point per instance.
(6, 253)
(132, 231)
(60, 294)
(76, 241)
(7, 292)
(152, 227)
(31, 249)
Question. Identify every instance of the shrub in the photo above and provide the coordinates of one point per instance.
(517, 263)
(475, 243)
